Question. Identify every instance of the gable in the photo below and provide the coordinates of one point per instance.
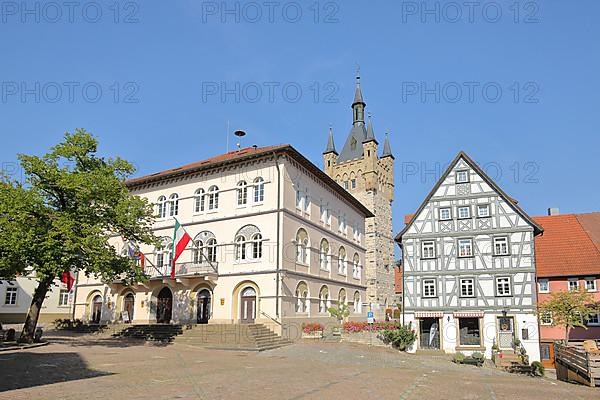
(448, 191)
(353, 147)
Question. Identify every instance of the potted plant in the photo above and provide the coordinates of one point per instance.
(312, 330)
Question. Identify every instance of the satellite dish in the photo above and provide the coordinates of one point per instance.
(239, 134)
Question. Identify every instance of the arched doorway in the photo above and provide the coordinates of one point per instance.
(248, 306)
(164, 306)
(96, 309)
(128, 305)
(203, 308)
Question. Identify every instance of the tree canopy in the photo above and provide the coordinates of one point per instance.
(62, 216)
(570, 309)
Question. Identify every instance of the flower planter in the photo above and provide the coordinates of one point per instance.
(312, 335)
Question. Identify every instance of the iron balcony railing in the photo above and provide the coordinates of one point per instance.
(182, 270)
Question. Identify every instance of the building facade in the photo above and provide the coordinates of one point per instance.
(469, 266)
(16, 295)
(266, 246)
(369, 176)
(567, 258)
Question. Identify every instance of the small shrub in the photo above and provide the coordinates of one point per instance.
(537, 368)
(355, 326)
(458, 358)
(478, 356)
(67, 324)
(401, 337)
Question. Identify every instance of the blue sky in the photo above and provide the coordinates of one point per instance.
(515, 87)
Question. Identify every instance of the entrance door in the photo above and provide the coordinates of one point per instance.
(128, 304)
(164, 306)
(547, 354)
(203, 309)
(96, 309)
(248, 306)
(429, 329)
(506, 333)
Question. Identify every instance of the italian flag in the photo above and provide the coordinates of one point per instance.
(180, 242)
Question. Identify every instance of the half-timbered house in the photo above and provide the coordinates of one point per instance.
(469, 266)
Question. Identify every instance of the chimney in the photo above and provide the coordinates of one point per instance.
(553, 211)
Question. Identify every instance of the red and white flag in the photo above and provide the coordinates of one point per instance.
(180, 242)
(68, 278)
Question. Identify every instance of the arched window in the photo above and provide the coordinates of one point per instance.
(356, 266)
(357, 302)
(257, 246)
(199, 201)
(162, 207)
(174, 205)
(213, 198)
(324, 303)
(342, 261)
(211, 250)
(302, 247)
(306, 202)
(259, 190)
(240, 248)
(342, 297)
(302, 302)
(164, 257)
(325, 255)
(198, 256)
(242, 193)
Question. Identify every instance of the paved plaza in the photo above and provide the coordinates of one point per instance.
(110, 369)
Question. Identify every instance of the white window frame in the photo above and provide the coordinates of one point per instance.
(597, 323)
(573, 280)
(547, 281)
(449, 209)
(593, 287)
(458, 175)
(459, 245)
(299, 199)
(259, 190)
(213, 198)
(485, 207)
(63, 298)
(428, 249)
(429, 287)
(498, 240)
(458, 212)
(11, 296)
(242, 194)
(503, 286)
(465, 282)
(173, 205)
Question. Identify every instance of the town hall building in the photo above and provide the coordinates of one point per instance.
(275, 240)
(368, 174)
(469, 267)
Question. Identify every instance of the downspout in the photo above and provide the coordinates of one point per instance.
(277, 267)
(403, 277)
(75, 294)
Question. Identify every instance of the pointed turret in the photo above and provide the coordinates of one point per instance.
(387, 149)
(370, 132)
(330, 144)
(358, 106)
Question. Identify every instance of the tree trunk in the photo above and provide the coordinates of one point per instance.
(33, 314)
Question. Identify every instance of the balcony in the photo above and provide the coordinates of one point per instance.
(183, 270)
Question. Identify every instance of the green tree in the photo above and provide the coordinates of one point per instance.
(340, 312)
(570, 309)
(61, 218)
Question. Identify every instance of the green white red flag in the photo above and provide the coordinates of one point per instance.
(180, 242)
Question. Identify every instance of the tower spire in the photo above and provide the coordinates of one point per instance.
(370, 131)
(330, 144)
(358, 105)
(387, 149)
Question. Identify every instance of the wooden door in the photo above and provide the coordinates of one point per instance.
(203, 307)
(128, 304)
(164, 305)
(96, 310)
(248, 309)
(547, 354)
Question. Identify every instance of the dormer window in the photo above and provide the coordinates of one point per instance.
(353, 144)
(462, 176)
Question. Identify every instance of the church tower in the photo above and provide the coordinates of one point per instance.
(369, 176)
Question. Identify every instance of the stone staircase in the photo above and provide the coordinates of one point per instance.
(243, 337)
(152, 332)
(507, 360)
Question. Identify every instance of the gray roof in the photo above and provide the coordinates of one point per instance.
(387, 149)
(353, 147)
(330, 144)
(358, 98)
(370, 133)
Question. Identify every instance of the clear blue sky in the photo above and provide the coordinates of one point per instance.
(171, 58)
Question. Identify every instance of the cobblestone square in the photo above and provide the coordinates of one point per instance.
(106, 368)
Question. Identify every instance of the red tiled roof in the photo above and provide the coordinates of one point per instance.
(398, 279)
(408, 217)
(209, 162)
(566, 248)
